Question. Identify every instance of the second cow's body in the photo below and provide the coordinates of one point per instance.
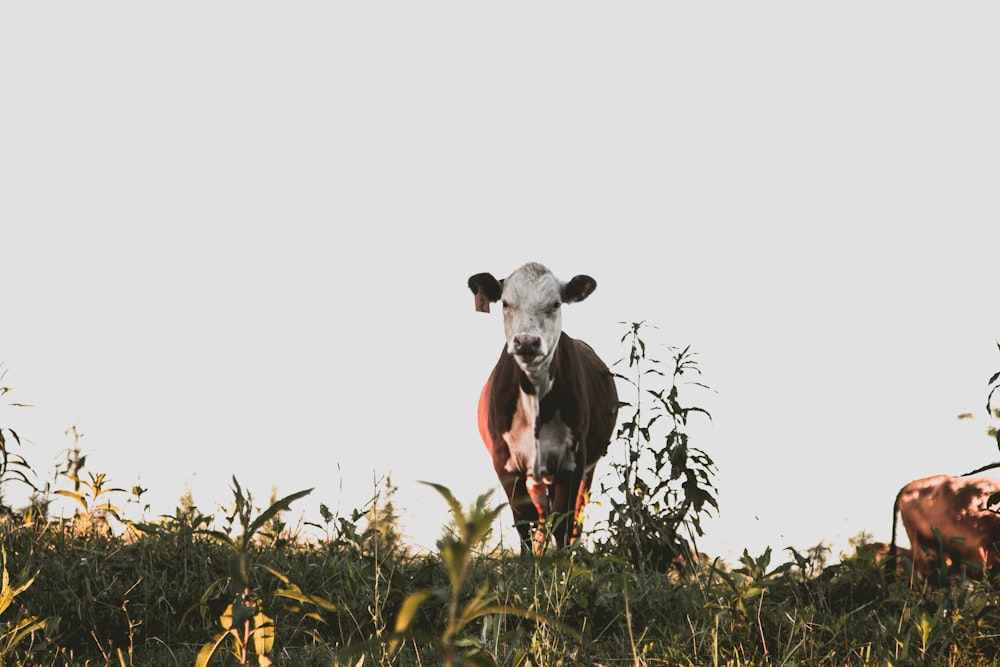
(949, 512)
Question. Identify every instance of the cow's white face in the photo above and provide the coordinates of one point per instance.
(532, 316)
(532, 313)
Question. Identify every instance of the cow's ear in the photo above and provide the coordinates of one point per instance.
(578, 289)
(487, 290)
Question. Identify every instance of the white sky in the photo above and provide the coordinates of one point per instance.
(234, 238)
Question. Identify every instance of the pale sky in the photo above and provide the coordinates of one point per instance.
(235, 239)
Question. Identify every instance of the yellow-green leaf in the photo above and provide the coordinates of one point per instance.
(263, 634)
(208, 650)
(405, 617)
(409, 608)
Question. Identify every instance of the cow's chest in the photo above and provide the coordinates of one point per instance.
(551, 441)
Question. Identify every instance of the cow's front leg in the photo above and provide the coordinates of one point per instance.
(539, 492)
(522, 507)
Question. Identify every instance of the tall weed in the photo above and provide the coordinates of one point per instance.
(665, 484)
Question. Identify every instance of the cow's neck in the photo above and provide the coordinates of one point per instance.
(537, 378)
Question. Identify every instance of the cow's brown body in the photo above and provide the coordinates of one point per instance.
(584, 396)
(956, 508)
(548, 409)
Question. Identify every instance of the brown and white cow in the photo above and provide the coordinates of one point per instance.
(549, 408)
(955, 507)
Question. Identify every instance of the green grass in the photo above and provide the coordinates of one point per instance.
(159, 596)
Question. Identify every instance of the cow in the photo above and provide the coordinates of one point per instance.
(549, 407)
(951, 512)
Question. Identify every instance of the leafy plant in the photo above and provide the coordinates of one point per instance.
(993, 386)
(665, 484)
(14, 632)
(13, 467)
(91, 495)
(472, 528)
(248, 621)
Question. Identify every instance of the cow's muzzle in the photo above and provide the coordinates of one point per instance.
(526, 345)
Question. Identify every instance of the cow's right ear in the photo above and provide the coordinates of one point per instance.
(487, 290)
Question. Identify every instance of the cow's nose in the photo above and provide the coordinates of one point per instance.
(527, 345)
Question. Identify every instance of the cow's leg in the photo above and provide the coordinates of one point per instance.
(521, 507)
(917, 551)
(581, 500)
(560, 513)
(580, 486)
(568, 501)
(982, 562)
(539, 492)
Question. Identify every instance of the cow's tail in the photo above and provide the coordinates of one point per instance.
(892, 541)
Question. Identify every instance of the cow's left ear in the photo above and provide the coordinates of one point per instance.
(578, 289)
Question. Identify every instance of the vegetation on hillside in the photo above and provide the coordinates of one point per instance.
(257, 588)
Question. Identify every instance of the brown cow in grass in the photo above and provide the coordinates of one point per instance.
(953, 512)
(548, 410)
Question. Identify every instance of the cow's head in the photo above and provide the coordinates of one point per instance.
(532, 300)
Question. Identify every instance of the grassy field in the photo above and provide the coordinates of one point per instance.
(182, 591)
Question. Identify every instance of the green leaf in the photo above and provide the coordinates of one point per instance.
(483, 599)
(502, 609)
(481, 526)
(704, 412)
(219, 536)
(263, 634)
(278, 506)
(297, 595)
(453, 554)
(988, 466)
(404, 618)
(23, 628)
(241, 611)
(456, 507)
(278, 575)
(149, 528)
(409, 609)
(75, 495)
(479, 657)
(239, 568)
(208, 650)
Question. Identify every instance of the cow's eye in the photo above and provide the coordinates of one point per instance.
(555, 306)
(506, 306)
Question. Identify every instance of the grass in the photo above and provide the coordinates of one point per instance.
(161, 594)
